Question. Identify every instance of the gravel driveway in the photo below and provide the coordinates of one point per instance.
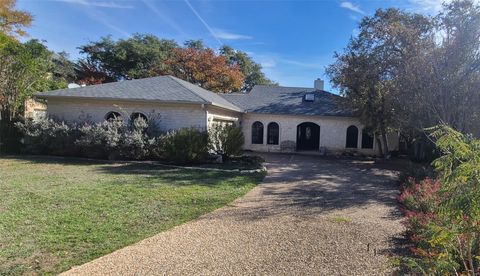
(311, 216)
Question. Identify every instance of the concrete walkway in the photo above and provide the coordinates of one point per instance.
(311, 216)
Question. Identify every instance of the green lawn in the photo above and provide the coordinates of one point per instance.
(58, 212)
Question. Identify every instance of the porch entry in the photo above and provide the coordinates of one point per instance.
(308, 136)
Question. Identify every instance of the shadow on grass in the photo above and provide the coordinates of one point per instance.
(44, 159)
(295, 184)
(152, 171)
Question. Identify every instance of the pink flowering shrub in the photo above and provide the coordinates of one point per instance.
(420, 201)
(443, 215)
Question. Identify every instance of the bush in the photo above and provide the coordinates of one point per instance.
(113, 139)
(422, 196)
(443, 216)
(46, 136)
(116, 140)
(226, 140)
(134, 140)
(184, 146)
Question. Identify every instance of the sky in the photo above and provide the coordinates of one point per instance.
(293, 40)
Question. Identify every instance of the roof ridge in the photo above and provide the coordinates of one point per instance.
(279, 86)
(179, 81)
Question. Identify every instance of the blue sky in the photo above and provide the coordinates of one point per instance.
(293, 40)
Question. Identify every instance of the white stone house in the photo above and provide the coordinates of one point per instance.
(272, 118)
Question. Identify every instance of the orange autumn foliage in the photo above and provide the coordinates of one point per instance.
(204, 68)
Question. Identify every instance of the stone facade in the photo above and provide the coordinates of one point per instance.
(35, 109)
(333, 133)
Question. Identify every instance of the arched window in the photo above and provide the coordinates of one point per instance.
(273, 132)
(367, 140)
(137, 115)
(257, 133)
(352, 137)
(112, 116)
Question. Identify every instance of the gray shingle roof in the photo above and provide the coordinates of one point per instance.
(164, 88)
(271, 99)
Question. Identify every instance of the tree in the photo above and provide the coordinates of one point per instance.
(250, 69)
(24, 69)
(441, 82)
(204, 68)
(367, 71)
(63, 68)
(144, 56)
(195, 44)
(130, 58)
(13, 21)
(89, 73)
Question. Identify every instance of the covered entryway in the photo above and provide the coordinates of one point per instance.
(308, 136)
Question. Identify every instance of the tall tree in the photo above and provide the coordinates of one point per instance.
(24, 69)
(130, 58)
(195, 44)
(204, 68)
(63, 68)
(441, 83)
(13, 21)
(143, 56)
(250, 69)
(367, 70)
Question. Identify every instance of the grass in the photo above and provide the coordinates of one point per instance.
(58, 212)
(238, 163)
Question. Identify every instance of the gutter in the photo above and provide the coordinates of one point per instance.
(46, 97)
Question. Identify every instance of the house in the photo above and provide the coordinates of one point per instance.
(272, 118)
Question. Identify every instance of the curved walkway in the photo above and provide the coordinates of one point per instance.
(311, 216)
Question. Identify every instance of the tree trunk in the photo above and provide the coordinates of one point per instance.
(385, 146)
(379, 143)
(384, 141)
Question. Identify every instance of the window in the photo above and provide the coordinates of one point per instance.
(273, 132)
(367, 140)
(352, 137)
(310, 97)
(223, 123)
(112, 116)
(137, 115)
(257, 133)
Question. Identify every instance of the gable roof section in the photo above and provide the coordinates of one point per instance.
(163, 89)
(269, 99)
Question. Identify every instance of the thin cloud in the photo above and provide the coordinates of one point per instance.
(228, 35)
(98, 15)
(268, 63)
(273, 60)
(302, 64)
(98, 4)
(427, 6)
(164, 17)
(430, 6)
(350, 6)
(210, 30)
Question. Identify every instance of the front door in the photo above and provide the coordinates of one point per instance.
(308, 136)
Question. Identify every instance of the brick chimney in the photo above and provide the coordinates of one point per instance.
(318, 84)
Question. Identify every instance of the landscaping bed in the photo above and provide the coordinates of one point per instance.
(59, 212)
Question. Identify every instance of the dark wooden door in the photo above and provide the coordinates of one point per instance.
(308, 136)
